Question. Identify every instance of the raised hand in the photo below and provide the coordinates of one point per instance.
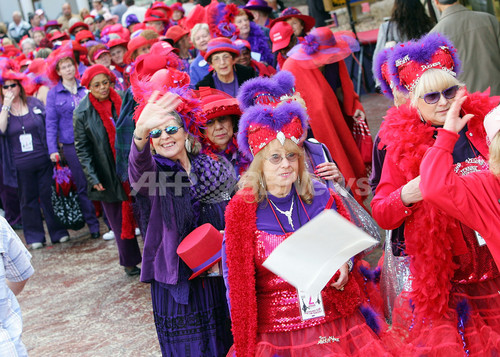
(155, 112)
(453, 121)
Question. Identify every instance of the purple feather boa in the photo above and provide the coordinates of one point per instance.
(371, 318)
(381, 58)
(260, 43)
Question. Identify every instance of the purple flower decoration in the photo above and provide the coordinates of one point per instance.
(310, 45)
(226, 29)
(62, 175)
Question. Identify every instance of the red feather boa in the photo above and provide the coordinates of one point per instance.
(431, 236)
(105, 112)
(241, 225)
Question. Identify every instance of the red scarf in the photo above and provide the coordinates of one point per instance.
(432, 237)
(241, 225)
(105, 111)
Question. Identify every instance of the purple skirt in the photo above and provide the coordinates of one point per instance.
(200, 328)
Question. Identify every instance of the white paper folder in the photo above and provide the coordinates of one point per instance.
(312, 255)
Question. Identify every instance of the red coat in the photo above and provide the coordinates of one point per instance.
(473, 199)
(327, 118)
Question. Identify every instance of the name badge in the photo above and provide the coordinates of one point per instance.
(202, 63)
(26, 142)
(311, 307)
(37, 111)
(480, 240)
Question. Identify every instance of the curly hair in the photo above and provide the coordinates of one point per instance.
(411, 19)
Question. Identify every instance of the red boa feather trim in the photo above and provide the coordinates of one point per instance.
(431, 236)
(241, 225)
(128, 221)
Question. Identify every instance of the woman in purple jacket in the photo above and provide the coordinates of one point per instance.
(61, 102)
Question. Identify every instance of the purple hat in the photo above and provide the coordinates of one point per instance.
(290, 12)
(275, 115)
(260, 5)
(220, 44)
(51, 23)
(322, 46)
(411, 59)
(381, 72)
(131, 20)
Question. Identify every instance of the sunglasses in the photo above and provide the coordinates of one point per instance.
(170, 130)
(7, 86)
(276, 159)
(448, 93)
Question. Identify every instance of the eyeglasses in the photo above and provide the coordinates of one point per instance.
(276, 159)
(7, 86)
(170, 130)
(221, 59)
(433, 97)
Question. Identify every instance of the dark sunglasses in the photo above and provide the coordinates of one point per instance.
(448, 93)
(276, 159)
(7, 86)
(170, 130)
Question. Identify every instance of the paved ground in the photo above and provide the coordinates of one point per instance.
(80, 303)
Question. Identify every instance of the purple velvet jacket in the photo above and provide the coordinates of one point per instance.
(59, 115)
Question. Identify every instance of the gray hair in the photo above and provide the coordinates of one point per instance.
(28, 41)
(199, 27)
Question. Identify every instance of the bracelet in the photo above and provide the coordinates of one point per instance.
(350, 264)
(136, 137)
(5, 107)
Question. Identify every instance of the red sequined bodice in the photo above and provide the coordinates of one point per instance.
(277, 301)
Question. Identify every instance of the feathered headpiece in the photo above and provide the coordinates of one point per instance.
(382, 72)
(220, 19)
(269, 112)
(411, 59)
(53, 60)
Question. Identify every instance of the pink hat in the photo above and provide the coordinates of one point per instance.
(220, 44)
(322, 46)
(98, 53)
(280, 35)
(201, 249)
(290, 12)
(492, 123)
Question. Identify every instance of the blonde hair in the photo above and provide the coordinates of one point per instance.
(433, 80)
(254, 179)
(495, 155)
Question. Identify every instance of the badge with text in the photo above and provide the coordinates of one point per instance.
(26, 142)
(311, 307)
(480, 240)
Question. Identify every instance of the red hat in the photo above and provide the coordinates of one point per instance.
(53, 60)
(260, 5)
(177, 7)
(61, 36)
(9, 74)
(220, 44)
(117, 42)
(38, 66)
(76, 25)
(98, 53)
(240, 44)
(197, 15)
(149, 64)
(280, 35)
(119, 30)
(162, 48)
(134, 44)
(25, 62)
(155, 15)
(76, 46)
(51, 23)
(93, 71)
(322, 46)
(83, 35)
(10, 51)
(290, 12)
(217, 103)
(201, 249)
(175, 33)
(161, 5)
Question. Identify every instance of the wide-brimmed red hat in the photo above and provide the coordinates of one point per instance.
(260, 5)
(216, 103)
(155, 15)
(83, 35)
(220, 44)
(197, 15)
(136, 43)
(161, 5)
(322, 47)
(8, 74)
(51, 23)
(201, 249)
(10, 51)
(76, 25)
(290, 12)
(54, 58)
(175, 33)
(93, 71)
(280, 35)
(59, 36)
(117, 42)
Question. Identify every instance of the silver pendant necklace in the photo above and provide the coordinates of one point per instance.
(288, 213)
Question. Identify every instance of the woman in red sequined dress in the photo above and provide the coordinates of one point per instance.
(451, 305)
(276, 198)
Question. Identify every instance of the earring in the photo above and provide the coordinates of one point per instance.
(187, 145)
(298, 180)
(261, 182)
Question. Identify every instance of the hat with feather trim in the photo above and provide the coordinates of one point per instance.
(270, 111)
(174, 81)
(9, 74)
(322, 47)
(382, 72)
(411, 59)
(54, 58)
(220, 18)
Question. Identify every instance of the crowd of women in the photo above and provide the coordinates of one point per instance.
(218, 155)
